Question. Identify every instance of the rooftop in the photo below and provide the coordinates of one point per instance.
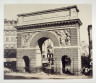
(11, 22)
(49, 11)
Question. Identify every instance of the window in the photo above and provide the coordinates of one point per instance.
(10, 33)
(7, 39)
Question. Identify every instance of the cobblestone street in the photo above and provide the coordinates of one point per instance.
(42, 76)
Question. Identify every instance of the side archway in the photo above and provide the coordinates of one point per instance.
(26, 60)
(46, 34)
(66, 63)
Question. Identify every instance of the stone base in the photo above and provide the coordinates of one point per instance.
(75, 71)
(71, 71)
(57, 71)
(35, 70)
(20, 69)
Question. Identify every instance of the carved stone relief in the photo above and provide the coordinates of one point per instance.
(64, 36)
(26, 36)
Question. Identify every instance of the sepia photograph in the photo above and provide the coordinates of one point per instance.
(48, 41)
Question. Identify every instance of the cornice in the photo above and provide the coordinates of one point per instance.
(50, 24)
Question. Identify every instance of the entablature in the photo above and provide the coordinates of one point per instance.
(50, 24)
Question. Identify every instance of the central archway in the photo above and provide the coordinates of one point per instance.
(40, 42)
(36, 44)
(44, 34)
(44, 48)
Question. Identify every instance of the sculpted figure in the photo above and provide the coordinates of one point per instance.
(64, 37)
(25, 38)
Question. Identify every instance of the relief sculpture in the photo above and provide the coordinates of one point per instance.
(64, 37)
(25, 38)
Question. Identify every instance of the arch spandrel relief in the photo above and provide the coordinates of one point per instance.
(26, 37)
(64, 36)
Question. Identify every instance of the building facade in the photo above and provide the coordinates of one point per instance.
(10, 43)
(90, 45)
(62, 27)
(90, 40)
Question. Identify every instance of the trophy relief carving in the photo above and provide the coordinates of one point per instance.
(26, 37)
(64, 36)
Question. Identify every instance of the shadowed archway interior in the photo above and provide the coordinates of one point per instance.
(26, 60)
(40, 42)
(66, 61)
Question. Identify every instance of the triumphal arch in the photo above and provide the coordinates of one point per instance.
(61, 26)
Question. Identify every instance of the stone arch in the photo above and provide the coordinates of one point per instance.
(46, 34)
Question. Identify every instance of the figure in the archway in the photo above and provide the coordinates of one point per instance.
(50, 54)
(46, 48)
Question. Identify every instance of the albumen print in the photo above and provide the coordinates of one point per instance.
(48, 41)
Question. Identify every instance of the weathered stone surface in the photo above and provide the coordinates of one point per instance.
(48, 29)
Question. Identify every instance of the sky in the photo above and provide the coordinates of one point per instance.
(85, 13)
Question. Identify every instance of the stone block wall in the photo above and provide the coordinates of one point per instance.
(70, 52)
(74, 37)
(19, 39)
(26, 52)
